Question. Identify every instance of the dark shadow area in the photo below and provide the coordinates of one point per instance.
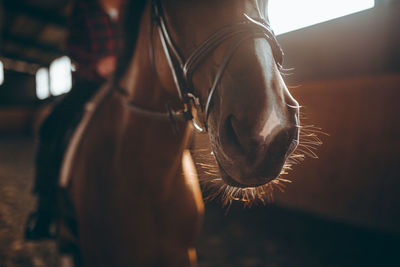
(273, 236)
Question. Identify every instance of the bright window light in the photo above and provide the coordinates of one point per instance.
(60, 76)
(1, 73)
(290, 15)
(42, 84)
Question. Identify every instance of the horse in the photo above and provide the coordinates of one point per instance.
(131, 195)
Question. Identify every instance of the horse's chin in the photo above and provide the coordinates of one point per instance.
(234, 179)
(228, 189)
(232, 182)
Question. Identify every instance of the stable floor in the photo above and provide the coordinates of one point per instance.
(265, 236)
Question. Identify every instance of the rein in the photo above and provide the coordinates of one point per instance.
(182, 69)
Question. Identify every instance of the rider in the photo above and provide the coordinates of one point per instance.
(91, 44)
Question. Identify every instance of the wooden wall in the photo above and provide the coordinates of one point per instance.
(357, 177)
(349, 71)
(365, 43)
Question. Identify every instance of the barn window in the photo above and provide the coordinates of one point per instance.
(290, 15)
(42, 83)
(1, 73)
(60, 76)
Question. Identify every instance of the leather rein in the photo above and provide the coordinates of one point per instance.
(182, 69)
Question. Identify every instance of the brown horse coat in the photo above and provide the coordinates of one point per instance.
(131, 179)
(135, 191)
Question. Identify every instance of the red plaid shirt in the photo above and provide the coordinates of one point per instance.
(92, 36)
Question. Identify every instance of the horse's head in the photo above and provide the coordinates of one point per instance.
(251, 118)
(225, 61)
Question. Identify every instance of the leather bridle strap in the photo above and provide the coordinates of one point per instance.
(218, 76)
(182, 70)
(175, 59)
(250, 27)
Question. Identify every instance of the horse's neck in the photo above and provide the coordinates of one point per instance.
(150, 151)
(149, 146)
(142, 79)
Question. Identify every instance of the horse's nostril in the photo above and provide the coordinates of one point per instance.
(231, 135)
(293, 145)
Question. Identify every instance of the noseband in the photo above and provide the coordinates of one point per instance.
(182, 69)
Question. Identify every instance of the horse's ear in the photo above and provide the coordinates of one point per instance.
(131, 16)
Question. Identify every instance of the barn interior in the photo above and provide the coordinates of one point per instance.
(342, 209)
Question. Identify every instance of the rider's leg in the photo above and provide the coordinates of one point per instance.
(51, 147)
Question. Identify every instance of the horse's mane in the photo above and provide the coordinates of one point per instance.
(132, 11)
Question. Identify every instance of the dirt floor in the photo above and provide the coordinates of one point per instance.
(265, 236)
(16, 177)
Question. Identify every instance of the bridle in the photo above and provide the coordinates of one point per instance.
(182, 69)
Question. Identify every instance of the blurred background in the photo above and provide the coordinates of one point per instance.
(342, 209)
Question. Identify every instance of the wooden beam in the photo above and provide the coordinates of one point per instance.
(17, 57)
(45, 15)
(28, 42)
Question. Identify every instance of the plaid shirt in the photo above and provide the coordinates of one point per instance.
(92, 36)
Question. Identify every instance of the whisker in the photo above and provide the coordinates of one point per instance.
(291, 106)
(287, 69)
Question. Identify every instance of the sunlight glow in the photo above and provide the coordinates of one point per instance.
(60, 76)
(290, 15)
(1, 73)
(42, 84)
